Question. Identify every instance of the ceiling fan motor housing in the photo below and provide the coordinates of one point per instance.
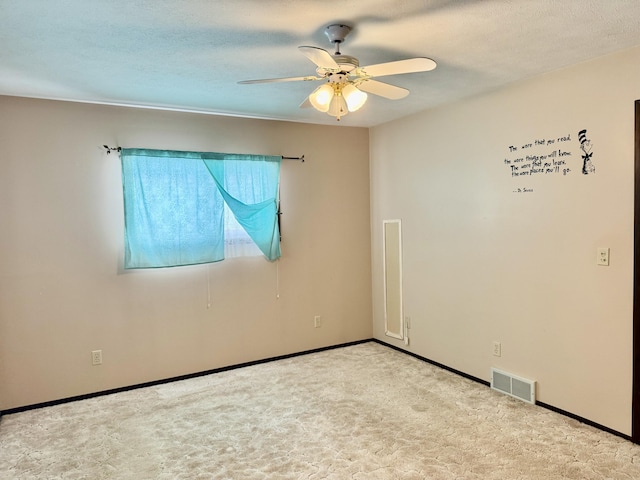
(338, 78)
(347, 62)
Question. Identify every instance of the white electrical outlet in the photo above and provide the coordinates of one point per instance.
(603, 256)
(497, 349)
(96, 357)
(317, 321)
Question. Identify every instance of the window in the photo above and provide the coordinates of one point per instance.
(237, 242)
(185, 208)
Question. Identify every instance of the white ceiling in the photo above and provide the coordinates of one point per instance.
(190, 54)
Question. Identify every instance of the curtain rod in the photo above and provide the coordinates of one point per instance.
(118, 149)
(294, 158)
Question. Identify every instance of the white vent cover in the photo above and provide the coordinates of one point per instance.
(513, 386)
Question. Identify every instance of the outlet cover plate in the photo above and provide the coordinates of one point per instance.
(96, 357)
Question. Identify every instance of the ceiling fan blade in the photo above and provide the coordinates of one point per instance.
(383, 89)
(411, 65)
(320, 57)
(285, 79)
(306, 103)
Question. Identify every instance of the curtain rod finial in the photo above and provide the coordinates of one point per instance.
(112, 149)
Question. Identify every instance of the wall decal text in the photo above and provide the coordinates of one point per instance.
(542, 156)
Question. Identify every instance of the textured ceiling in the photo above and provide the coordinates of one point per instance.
(190, 54)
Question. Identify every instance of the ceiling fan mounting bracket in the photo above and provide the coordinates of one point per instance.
(336, 34)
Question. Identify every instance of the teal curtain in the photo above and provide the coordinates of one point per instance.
(249, 186)
(173, 204)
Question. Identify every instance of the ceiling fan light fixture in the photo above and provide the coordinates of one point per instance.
(322, 97)
(354, 97)
(338, 107)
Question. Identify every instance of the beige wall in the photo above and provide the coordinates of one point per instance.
(63, 292)
(484, 263)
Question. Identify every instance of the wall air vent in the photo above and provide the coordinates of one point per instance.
(513, 386)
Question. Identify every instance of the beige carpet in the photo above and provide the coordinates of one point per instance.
(361, 412)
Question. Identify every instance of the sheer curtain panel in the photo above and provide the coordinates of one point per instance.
(174, 205)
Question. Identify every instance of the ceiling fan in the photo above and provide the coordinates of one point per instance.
(346, 83)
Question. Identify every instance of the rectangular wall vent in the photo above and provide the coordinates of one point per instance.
(514, 386)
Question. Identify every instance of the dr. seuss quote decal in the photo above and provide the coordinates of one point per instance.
(550, 156)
